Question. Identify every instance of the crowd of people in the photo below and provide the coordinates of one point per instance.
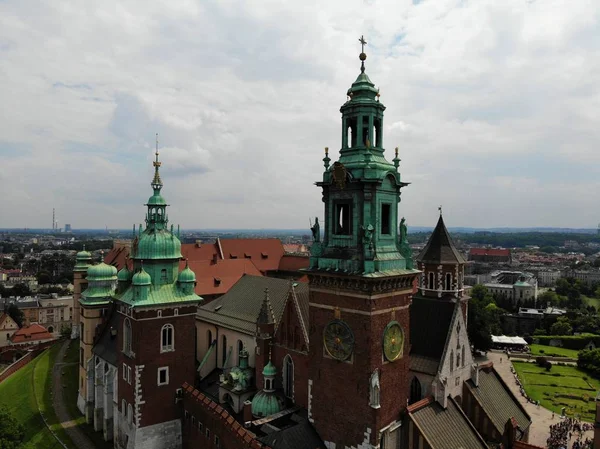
(521, 389)
(563, 433)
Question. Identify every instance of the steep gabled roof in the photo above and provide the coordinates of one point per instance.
(445, 428)
(32, 333)
(429, 324)
(440, 249)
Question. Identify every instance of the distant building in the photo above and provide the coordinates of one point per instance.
(590, 277)
(490, 255)
(513, 285)
(56, 314)
(548, 278)
(8, 327)
(67, 227)
(27, 335)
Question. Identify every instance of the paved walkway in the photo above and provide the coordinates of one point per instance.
(77, 436)
(540, 416)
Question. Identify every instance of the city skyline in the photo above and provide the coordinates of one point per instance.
(491, 106)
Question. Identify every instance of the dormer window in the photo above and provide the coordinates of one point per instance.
(264, 255)
(217, 282)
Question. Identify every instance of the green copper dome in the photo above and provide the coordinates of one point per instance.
(157, 244)
(269, 369)
(102, 272)
(83, 260)
(186, 275)
(266, 404)
(156, 200)
(124, 275)
(141, 278)
(83, 255)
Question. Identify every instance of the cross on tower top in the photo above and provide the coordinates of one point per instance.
(363, 43)
(362, 55)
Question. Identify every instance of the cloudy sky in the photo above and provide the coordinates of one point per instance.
(495, 106)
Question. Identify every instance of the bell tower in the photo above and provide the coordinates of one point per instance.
(361, 283)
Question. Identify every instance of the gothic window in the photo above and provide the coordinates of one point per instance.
(342, 219)
(81, 330)
(224, 352)
(167, 338)
(457, 359)
(208, 339)
(415, 390)
(374, 390)
(288, 376)
(463, 355)
(448, 281)
(240, 347)
(386, 218)
(451, 360)
(127, 336)
(431, 280)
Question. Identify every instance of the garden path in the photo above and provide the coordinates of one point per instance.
(541, 417)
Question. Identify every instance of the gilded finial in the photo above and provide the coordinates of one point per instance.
(326, 159)
(396, 159)
(362, 55)
(156, 182)
(440, 209)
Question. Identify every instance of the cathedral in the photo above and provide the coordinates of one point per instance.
(371, 352)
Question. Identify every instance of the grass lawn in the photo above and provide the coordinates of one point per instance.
(553, 351)
(562, 386)
(591, 301)
(16, 394)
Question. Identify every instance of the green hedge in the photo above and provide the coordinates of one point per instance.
(575, 342)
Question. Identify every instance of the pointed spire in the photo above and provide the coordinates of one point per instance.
(266, 315)
(440, 249)
(156, 182)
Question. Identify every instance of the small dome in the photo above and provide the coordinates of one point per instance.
(156, 200)
(186, 275)
(83, 255)
(101, 272)
(141, 278)
(266, 404)
(269, 369)
(124, 275)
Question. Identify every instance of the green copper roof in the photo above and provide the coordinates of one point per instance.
(269, 369)
(141, 278)
(83, 255)
(83, 260)
(159, 294)
(156, 199)
(101, 272)
(186, 275)
(157, 244)
(124, 275)
(266, 404)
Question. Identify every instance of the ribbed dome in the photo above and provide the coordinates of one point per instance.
(156, 200)
(186, 275)
(124, 275)
(158, 244)
(141, 278)
(266, 404)
(83, 255)
(101, 272)
(269, 369)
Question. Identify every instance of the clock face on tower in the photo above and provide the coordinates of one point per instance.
(338, 340)
(393, 341)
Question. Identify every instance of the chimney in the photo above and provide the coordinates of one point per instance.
(475, 374)
(247, 414)
(214, 259)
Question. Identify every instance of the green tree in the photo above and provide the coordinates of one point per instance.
(21, 290)
(43, 277)
(484, 318)
(16, 314)
(561, 327)
(11, 431)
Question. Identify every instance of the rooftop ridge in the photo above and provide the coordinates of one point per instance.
(229, 421)
(419, 404)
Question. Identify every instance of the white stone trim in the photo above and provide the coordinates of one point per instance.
(160, 370)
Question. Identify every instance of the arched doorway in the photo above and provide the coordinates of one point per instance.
(51, 329)
(415, 390)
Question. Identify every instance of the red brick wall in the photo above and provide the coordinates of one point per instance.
(201, 413)
(146, 343)
(11, 369)
(345, 386)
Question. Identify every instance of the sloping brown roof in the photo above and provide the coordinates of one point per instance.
(240, 307)
(32, 333)
(440, 248)
(293, 262)
(498, 401)
(264, 253)
(445, 428)
(217, 278)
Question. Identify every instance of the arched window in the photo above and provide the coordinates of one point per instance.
(288, 376)
(126, 336)
(448, 281)
(431, 281)
(208, 339)
(457, 359)
(240, 348)
(224, 351)
(130, 413)
(374, 390)
(463, 356)
(415, 390)
(451, 360)
(167, 338)
(163, 275)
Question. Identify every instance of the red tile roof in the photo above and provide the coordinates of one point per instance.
(34, 332)
(264, 253)
(218, 278)
(293, 262)
(489, 252)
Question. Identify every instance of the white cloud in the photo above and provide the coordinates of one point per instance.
(486, 100)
